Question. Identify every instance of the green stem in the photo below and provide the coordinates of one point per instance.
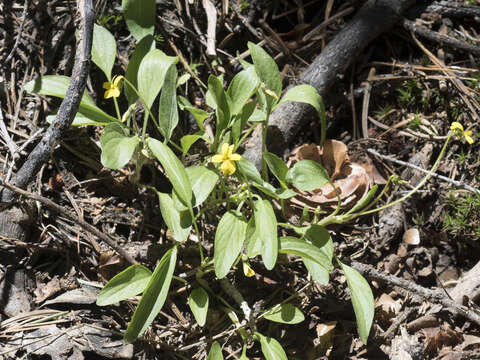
(415, 189)
(117, 109)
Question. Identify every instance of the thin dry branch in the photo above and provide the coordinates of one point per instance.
(68, 107)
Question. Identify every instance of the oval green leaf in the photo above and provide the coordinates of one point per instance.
(203, 181)
(300, 247)
(168, 109)
(151, 74)
(198, 302)
(128, 283)
(174, 169)
(267, 70)
(285, 314)
(142, 49)
(153, 297)
(305, 94)
(178, 222)
(278, 168)
(242, 88)
(271, 348)
(362, 300)
(104, 50)
(266, 224)
(57, 85)
(117, 147)
(140, 17)
(229, 240)
(307, 175)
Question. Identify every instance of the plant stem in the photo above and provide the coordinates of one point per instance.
(415, 189)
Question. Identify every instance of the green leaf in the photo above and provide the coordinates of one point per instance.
(215, 352)
(203, 181)
(140, 17)
(305, 94)
(142, 49)
(270, 190)
(168, 111)
(267, 71)
(278, 168)
(253, 241)
(151, 74)
(57, 85)
(241, 120)
(130, 282)
(178, 222)
(117, 146)
(198, 302)
(362, 300)
(364, 201)
(285, 314)
(199, 115)
(242, 88)
(266, 224)
(271, 348)
(104, 50)
(248, 169)
(174, 169)
(188, 140)
(321, 238)
(300, 247)
(229, 240)
(221, 103)
(153, 297)
(307, 175)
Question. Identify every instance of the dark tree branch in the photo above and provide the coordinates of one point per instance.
(373, 19)
(440, 38)
(68, 108)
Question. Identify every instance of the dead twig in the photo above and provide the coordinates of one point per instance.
(441, 177)
(68, 107)
(86, 226)
(440, 38)
(19, 35)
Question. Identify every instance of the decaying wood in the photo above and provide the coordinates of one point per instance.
(373, 19)
(14, 222)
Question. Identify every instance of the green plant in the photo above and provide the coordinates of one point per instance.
(462, 217)
(248, 225)
(409, 92)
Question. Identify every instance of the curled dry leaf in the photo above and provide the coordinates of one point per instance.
(351, 180)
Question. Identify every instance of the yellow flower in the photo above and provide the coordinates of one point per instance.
(112, 88)
(457, 128)
(227, 159)
(247, 270)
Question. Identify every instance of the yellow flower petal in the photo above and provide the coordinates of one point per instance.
(107, 85)
(247, 270)
(225, 150)
(217, 158)
(227, 167)
(116, 80)
(235, 157)
(468, 137)
(456, 126)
